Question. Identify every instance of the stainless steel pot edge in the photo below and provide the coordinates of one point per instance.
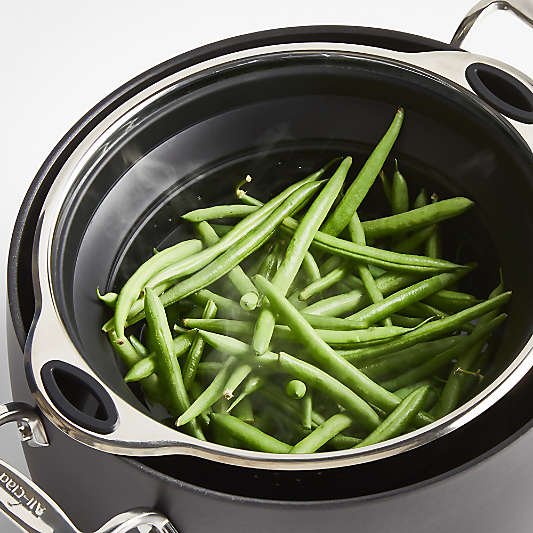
(49, 339)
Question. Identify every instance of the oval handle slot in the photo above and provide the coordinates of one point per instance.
(501, 91)
(79, 397)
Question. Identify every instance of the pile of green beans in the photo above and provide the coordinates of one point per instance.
(304, 326)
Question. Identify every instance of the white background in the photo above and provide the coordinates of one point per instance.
(58, 58)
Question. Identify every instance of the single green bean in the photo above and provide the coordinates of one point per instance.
(406, 321)
(307, 410)
(140, 348)
(426, 332)
(434, 243)
(249, 436)
(109, 298)
(451, 301)
(421, 199)
(323, 283)
(224, 305)
(357, 191)
(399, 192)
(399, 420)
(210, 395)
(237, 276)
(310, 267)
(196, 349)
(168, 368)
(387, 187)
(432, 395)
(416, 218)
(321, 352)
(323, 433)
(218, 211)
(298, 246)
(295, 389)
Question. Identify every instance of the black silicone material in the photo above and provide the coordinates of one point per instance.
(502, 91)
(85, 396)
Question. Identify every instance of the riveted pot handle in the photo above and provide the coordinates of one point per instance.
(34, 511)
(521, 8)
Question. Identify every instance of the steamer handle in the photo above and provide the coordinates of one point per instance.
(32, 510)
(522, 8)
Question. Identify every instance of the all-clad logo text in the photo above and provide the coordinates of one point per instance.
(19, 494)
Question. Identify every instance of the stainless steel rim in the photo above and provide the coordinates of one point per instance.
(48, 337)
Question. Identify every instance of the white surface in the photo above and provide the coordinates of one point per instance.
(60, 57)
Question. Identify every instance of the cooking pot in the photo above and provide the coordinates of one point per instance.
(276, 104)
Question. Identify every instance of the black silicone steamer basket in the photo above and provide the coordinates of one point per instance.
(65, 219)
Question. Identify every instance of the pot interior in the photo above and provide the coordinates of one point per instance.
(279, 118)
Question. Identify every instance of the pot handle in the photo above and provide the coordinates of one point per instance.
(32, 509)
(522, 8)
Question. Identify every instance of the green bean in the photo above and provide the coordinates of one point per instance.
(109, 298)
(244, 411)
(236, 253)
(414, 242)
(358, 236)
(387, 187)
(251, 385)
(307, 410)
(239, 374)
(426, 332)
(356, 299)
(399, 420)
(481, 331)
(340, 368)
(398, 300)
(237, 276)
(310, 267)
(269, 266)
(331, 322)
(147, 365)
(218, 211)
(416, 218)
(451, 301)
(423, 310)
(138, 346)
(196, 349)
(249, 436)
(243, 329)
(357, 191)
(343, 442)
(434, 243)
(322, 434)
(296, 250)
(295, 389)
(410, 357)
(210, 395)
(132, 288)
(168, 368)
(399, 192)
(421, 199)
(323, 283)
(310, 374)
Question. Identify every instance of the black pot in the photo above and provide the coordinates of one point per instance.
(476, 478)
